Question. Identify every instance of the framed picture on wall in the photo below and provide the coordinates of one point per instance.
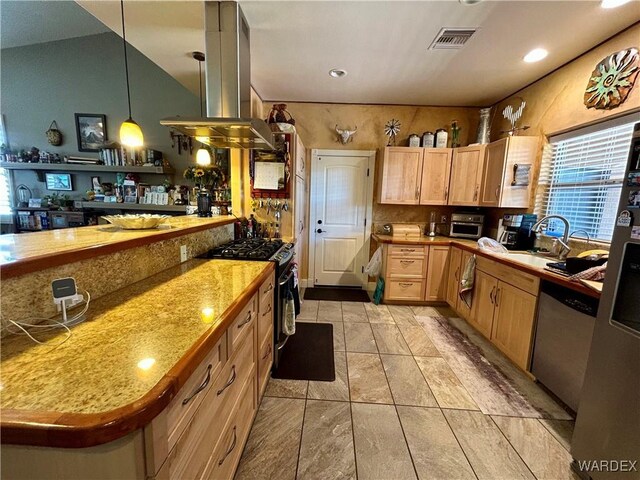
(58, 181)
(91, 130)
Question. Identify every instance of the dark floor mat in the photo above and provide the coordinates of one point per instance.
(308, 355)
(337, 294)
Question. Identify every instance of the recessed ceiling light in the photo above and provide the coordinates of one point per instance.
(535, 55)
(613, 3)
(337, 73)
(469, 2)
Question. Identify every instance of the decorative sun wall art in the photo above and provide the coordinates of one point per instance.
(612, 80)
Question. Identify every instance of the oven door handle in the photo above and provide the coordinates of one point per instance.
(286, 280)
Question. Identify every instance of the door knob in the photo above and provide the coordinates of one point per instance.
(319, 230)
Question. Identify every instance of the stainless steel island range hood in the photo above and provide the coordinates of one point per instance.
(228, 89)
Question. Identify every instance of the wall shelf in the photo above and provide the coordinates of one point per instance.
(131, 206)
(75, 167)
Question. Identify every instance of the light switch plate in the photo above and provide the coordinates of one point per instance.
(183, 253)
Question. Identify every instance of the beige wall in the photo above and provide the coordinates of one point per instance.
(555, 103)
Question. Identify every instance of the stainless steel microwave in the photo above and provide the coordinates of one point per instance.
(465, 225)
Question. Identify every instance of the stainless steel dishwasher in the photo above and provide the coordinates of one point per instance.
(566, 319)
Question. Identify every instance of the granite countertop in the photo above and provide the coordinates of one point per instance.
(28, 252)
(521, 260)
(94, 377)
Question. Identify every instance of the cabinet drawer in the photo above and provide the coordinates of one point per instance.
(181, 409)
(511, 275)
(241, 325)
(226, 455)
(404, 289)
(265, 359)
(192, 451)
(407, 250)
(265, 318)
(406, 267)
(266, 289)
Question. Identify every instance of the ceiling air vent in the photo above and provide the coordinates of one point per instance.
(451, 38)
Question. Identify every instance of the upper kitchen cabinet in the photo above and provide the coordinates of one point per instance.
(400, 176)
(466, 175)
(506, 178)
(436, 171)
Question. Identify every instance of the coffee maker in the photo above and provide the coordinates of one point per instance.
(514, 231)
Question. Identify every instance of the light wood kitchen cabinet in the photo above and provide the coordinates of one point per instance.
(484, 291)
(453, 277)
(300, 220)
(514, 317)
(437, 269)
(466, 175)
(436, 170)
(506, 177)
(400, 176)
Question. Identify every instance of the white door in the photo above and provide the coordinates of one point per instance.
(339, 205)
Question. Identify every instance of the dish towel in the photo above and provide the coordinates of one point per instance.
(466, 282)
(289, 321)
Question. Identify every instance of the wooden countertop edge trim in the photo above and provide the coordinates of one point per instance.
(41, 262)
(542, 274)
(76, 430)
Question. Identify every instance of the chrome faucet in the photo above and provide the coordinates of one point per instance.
(564, 247)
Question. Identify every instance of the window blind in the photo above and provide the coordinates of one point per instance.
(5, 193)
(581, 177)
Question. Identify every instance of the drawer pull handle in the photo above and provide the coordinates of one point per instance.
(269, 289)
(233, 445)
(497, 297)
(407, 261)
(231, 380)
(403, 284)
(267, 311)
(491, 295)
(202, 386)
(407, 249)
(246, 320)
(268, 353)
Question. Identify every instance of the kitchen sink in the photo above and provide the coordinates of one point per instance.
(529, 259)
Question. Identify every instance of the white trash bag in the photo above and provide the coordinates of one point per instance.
(375, 264)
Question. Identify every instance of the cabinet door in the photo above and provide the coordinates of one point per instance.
(520, 158)
(400, 177)
(484, 292)
(493, 171)
(453, 277)
(301, 158)
(466, 173)
(463, 309)
(436, 172)
(513, 323)
(437, 267)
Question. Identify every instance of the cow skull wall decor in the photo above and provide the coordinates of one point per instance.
(345, 136)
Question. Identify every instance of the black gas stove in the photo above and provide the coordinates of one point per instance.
(254, 249)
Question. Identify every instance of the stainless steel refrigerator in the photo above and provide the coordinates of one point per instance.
(606, 439)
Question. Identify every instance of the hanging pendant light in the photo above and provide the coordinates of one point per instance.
(203, 157)
(130, 132)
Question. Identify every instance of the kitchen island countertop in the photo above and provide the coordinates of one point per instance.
(30, 252)
(520, 262)
(124, 363)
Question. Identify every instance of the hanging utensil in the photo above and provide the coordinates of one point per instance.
(285, 207)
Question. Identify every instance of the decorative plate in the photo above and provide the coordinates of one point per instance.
(612, 80)
(143, 221)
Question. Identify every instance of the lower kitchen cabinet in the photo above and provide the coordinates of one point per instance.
(483, 303)
(437, 270)
(513, 320)
(453, 277)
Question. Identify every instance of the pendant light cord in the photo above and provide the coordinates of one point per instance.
(200, 89)
(126, 63)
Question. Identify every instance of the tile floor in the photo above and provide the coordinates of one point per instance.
(418, 394)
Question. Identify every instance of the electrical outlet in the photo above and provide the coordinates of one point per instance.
(443, 219)
(183, 253)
